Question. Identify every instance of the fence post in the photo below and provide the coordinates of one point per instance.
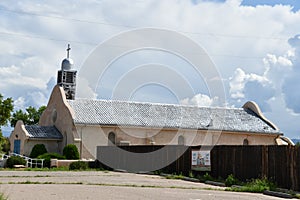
(264, 162)
(293, 167)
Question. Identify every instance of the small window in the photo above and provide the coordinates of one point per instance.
(180, 140)
(111, 138)
(54, 115)
(245, 142)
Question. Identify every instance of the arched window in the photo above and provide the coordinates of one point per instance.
(245, 142)
(180, 140)
(111, 138)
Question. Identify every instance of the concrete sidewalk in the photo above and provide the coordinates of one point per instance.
(107, 185)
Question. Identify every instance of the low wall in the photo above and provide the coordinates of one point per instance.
(64, 163)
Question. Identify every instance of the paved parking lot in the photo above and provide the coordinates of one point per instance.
(108, 185)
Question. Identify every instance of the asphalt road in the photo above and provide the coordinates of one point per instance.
(108, 185)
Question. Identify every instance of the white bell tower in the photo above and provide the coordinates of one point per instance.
(66, 77)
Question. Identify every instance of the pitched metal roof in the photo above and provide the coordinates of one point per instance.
(43, 132)
(123, 113)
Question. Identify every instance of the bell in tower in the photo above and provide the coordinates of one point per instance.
(66, 77)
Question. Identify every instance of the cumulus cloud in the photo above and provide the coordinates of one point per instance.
(291, 83)
(240, 79)
(262, 87)
(200, 100)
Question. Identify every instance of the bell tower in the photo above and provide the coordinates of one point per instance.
(66, 76)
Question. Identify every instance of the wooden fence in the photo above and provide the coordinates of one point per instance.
(168, 159)
(280, 164)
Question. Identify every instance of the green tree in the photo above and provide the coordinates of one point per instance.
(298, 144)
(5, 145)
(29, 117)
(6, 108)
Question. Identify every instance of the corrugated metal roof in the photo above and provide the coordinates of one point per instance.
(43, 132)
(111, 112)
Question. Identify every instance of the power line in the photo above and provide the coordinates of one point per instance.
(116, 46)
(11, 34)
(44, 38)
(129, 26)
(65, 19)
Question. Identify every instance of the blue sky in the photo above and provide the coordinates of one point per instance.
(294, 3)
(255, 46)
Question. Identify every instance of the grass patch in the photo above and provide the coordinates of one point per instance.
(45, 183)
(36, 176)
(3, 197)
(47, 169)
(255, 186)
(150, 186)
(174, 176)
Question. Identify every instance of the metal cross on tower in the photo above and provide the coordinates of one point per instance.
(68, 51)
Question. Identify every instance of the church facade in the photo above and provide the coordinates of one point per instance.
(89, 123)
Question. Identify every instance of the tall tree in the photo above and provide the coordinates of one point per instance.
(30, 116)
(6, 108)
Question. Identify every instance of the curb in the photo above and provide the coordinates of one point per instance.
(215, 183)
(278, 194)
(120, 170)
(191, 179)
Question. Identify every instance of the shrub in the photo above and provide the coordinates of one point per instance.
(79, 165)
(37, 150)
(71, 152)
(256, 185)
(231, 180)
(15, 160)
(47, 158)
(207, 177)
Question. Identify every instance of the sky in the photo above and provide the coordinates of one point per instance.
(254, 45)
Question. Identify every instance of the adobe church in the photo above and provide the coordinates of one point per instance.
(89, 123)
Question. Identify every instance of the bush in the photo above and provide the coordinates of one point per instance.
(38, 149)
(231, 180)
(256, 185)
(48, 156)
(79, 165)
(15, 160)
(207, 177)
(71, 152)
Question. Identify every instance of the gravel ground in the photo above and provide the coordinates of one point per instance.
(108, 185)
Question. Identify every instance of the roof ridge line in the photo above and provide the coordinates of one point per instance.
(154, 103)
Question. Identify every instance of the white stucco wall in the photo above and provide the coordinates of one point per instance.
(93, 136)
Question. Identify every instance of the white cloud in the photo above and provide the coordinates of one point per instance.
(237, 84)
(19, 104)
(84, 90)
(12, 77)
(200, 100)
(240, 79)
